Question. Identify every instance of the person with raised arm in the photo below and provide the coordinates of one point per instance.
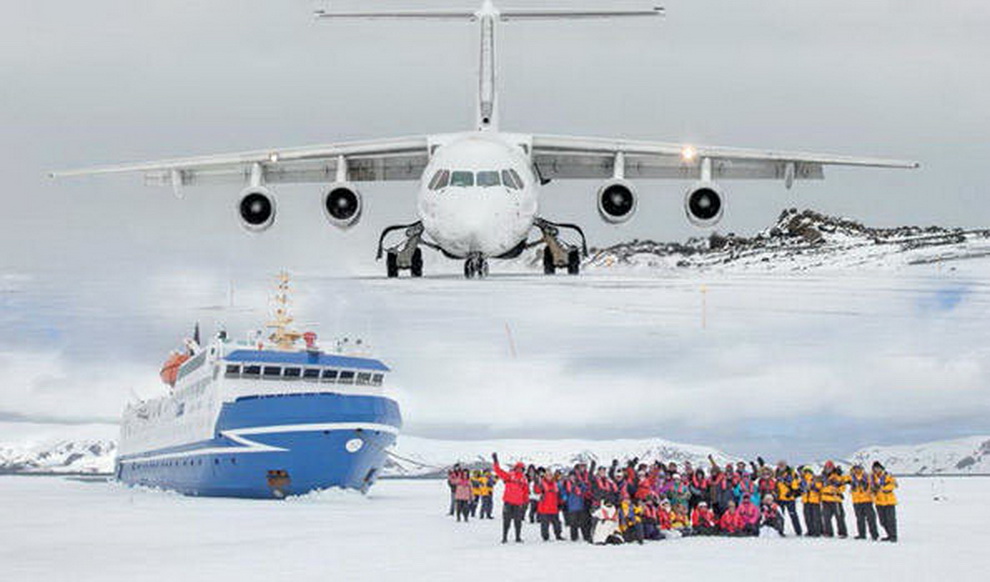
(514, 497)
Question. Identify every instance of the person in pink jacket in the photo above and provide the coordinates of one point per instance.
(749, 517)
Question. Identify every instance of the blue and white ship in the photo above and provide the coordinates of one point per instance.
(264, 418)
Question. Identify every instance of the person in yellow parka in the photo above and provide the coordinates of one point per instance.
(862, 498)
(883, 485)
(788, 487)
(475, 491)
(811, 497)
(832, 497)
(485, 489)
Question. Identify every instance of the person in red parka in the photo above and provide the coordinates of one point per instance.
(514, 497)
(729, 524)
(703, 520)
(548, 506)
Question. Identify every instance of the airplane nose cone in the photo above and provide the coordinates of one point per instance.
(478, 220)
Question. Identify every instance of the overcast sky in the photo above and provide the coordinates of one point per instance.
(103, 275)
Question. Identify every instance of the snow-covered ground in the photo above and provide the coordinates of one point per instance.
(56, 529)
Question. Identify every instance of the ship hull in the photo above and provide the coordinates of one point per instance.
(274, 446)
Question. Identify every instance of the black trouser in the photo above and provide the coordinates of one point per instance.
(579, 522)
(463, 509)
(452, 502)
(474, 506)
(532, 510)
(547, 520)
(813, 519)
(865, 517)
(633, 533)
(776, 523)
(791, 508)
(486, 507)
(888, 519)
(833, 509)
(512, 515)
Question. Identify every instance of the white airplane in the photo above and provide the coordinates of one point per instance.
(479, 190)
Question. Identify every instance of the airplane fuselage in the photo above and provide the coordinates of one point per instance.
(479, 194)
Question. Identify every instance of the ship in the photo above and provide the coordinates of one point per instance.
(264, 417)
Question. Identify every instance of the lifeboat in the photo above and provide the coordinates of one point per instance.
(170, 369)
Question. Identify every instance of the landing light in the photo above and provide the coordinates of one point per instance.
(273, 157)
(688, 154)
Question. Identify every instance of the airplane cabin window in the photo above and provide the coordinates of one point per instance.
(488, 179)
(462, 179)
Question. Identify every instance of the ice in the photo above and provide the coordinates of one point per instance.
(61, 529)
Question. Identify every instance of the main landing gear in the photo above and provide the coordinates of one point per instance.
(405, 256)
(476, 266)
(558, 254)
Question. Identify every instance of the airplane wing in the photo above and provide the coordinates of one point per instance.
(562, 157)
(378, 160)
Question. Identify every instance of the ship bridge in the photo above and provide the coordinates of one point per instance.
(304, 366)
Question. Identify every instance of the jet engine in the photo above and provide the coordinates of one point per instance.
(616, 201)
(342, 204)
(704, 204)
(256, 208)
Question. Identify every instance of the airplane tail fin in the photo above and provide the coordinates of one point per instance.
(488, 16)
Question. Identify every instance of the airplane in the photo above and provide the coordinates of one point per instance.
(479, 190)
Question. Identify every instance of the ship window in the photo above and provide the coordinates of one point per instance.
(292, 372)
(311, 373)
(487, 179)
(363, 379)
(253, 371)
(376, 380)
(346, 378)
(273, 371)
(329, 375)
(462, 179)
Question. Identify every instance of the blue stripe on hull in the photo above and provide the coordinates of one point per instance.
(258, 435)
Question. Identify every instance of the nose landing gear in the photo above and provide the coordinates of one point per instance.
(476, 266)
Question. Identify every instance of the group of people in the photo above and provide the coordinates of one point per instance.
(639, 501)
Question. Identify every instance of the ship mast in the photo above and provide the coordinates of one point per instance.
(282, 336)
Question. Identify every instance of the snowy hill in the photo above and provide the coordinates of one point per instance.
(966, 456)
(42, 448)
(424, 457)
(799, 241)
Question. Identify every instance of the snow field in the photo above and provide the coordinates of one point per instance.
(57, 529)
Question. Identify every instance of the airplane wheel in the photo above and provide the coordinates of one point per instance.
(417, 263)
(392, 265)
(549, 268)
(573, 262)
(469, 269)
(482, 269)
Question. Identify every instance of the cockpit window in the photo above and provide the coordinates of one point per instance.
(440, 180)
(519, 182)
(462, 179)
(488, 179)
(511, 179)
